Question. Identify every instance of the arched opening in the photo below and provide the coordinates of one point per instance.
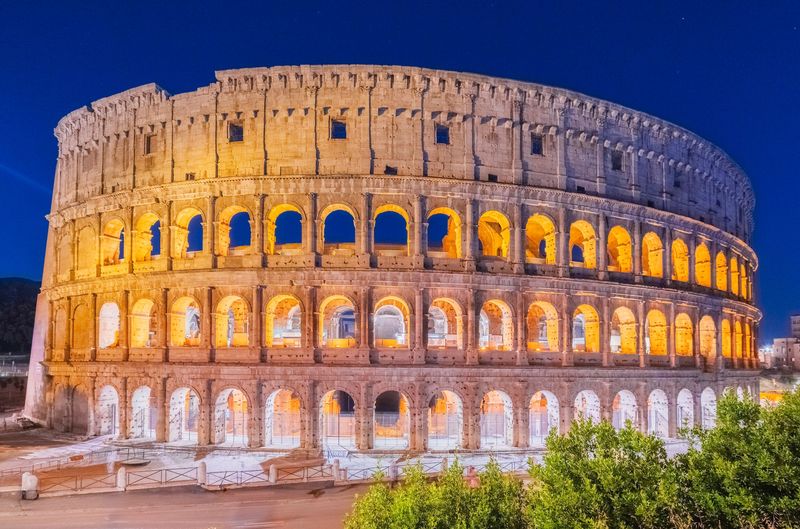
(184, 416)
(587, 406)
(187, 234)
(108, 411)
(338, 420)
(496, 326)
(284, 230)
(624, 410)
(680, 261)
(445, 421)
(147, 239)
(748, 341)
(585, 330)
(708, 337)
(444, 233)
(540, 240)
(445, 324)
(738, 334)
(143, 323)
(685, 409)
(620, 250)
(185, 324)
(708, 409)
(390, 323)
(235, 233)
(622, 338)
(702, 265)
(82, 327)
(109, 324)
(684, 335)
(494, 235)
(734, 268)
(282, 419)
(144, 414)
(87, 251)
(338, 231)
(391, 422)
(497, 420)
(726, 331)
(658, 414)
(722, 272)
(582, 245)
(655, 333)
(543, 416)
(232, 323)
(112, 244)
(391, 231)
(230, 418)
(283, 322)
(744, 292)
(652, 255)
(79, 411)
(542, 325)
(337, 322)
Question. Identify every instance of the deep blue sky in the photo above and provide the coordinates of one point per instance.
(729, 71)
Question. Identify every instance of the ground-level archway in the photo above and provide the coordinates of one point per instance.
(108, 411)
(184, 416)
(391, 421)
(282, 419)
(445, 421)
(230, 418)
(708, 408)
(543, 417)
(496, 420)
(337, 420)
(624, 409)
(658, 414)
(143, 414)
(685, 409)
(587, 406)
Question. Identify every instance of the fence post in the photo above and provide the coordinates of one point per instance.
(29, 486)
(393, 472)
(444, 465)
(121, 478)
(273, 474)
(335, 467)
(201, 473)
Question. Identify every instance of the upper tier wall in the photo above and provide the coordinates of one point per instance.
(144, 137)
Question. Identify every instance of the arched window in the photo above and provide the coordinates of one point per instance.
(652, 255)
(338, 420)
(685, 409)
(722, 272)
(734, 268)
(496, 420)
(284, 230)
(655, 340)
(624, 410)
(87, 251)
(391, 230)
(585, 330)
(108, 335)
(680, 261)
(142, 324)
(232, 323)
(543, 416)
(540, 240)
(582, 245)
(390, 325)
(542, 327)
(620, 251)
(738, 335)
(745, 290)
(187, 236)
(658, 414)
(283, 326)
(282, 419)
(234, 231)
(684, 335)
(445, 421)
(444, 233)
(184, 416)
(708, 337)
(185, 325)
(338, 322)
(391, 423)
(494, 234)
(587, 406)
(726, 331)
(147, 241)
(623, 332)
(445, 324)
(339, 230)
(702, 265)
(231, 416)
(496, 326)
(113, 242)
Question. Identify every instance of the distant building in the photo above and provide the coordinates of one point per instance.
(784, 353)
(795, 318)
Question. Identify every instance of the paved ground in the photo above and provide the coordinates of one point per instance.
(292, 507)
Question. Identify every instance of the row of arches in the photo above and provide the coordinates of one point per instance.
(444, 324)
(446, 235)
(339, 422)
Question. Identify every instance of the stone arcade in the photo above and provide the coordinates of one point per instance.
(563, 256)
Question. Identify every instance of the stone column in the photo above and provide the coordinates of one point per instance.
(420, 346)
(713, 249)
(692, 259)
(566, 332)
(640, 317)
(698, 358)
(365, 325)
(420, 226)
(366, 228)
(602, 247)
(673, 361)
(472, 329)
(124, 410)
(162, 405)
(519, 240)
(605, 332)
(637, 250)
(521, 334)
(562, 240)
(470, 230)
(667, 256)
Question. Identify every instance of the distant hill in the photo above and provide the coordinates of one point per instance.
(17, 310)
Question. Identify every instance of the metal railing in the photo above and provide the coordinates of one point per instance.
(76, 483)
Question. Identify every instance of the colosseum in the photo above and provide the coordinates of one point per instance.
(387, 258)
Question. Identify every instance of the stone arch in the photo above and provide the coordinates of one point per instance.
(702, 265)
(658, 414)
(148, 232)
(107, 411)
(685, 409)
(79, 410)
(494, 234)
(722, 272)
(587, 406)
(708, 337)
(289, 219)
(450, 243)
(339, 242)
(734, 270)
(337, 420)
(112, 244)
(585, 330)
(60, 329)
(185, 322)
(543, 416)
(282, 419)
(445, 421)
(743, 292)
(65, 251)
(542, 325)
(144, 414)
(232, 321)
(727, 334)
(708, 409)
(184, 416)
(738, 334)
(582, 245)
(655, 333)
(620, 250)
(445, 324)
(283, 322)
(624, 409)
(143, 324)
(540, 239)
(748, 341)
(390, 217)
(390, 325)
(337, 325)
(622, 336)
(496, 326)
(186, 222)
(391, 423)
(680, 261)
(496, 420)
(230, 218)
(652, 255)
(684, 335)
(87, 250)
(82, 327)
(108, 325)
(231, 417)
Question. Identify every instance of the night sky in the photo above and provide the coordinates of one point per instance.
(729, 71)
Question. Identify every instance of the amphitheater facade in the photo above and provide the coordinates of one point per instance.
(382, 258)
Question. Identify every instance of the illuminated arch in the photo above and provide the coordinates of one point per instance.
(445, 421)
(587, 406)
(391, 323)
(726, 331)
(496, 326)
(745, 287)
(708, 337)
(684, 335)
(391, 421)
(655, 338)
(144, 414)
(708, 408)
(494, 234)
(582, 245)
(185, 221)
(108, 326)
(337, 324)
(338, 420)
(112, 244)
(652, 255)
(389, 214)
(148, 232)
(231, 417)
(232, 321)
(542, 322)
(283, 325)
(658, 414)
(585, 330)
(702, 265)
(540, 239)
(107, 411)
(496, 420)
(734, 268)
(143, 323)
(450, 244)
(620, 250)
(332, 245)
(445, 324)
(185, 326)
(543, 416)
(624, 410)
(722, 272)
(685, 409)
(680, 261)
(622, 338)
(82, 327)
(184, 416)
(227, 218)
(293, 217)
(748, 341)
(87, 249)
(282, 419)
(738, 334)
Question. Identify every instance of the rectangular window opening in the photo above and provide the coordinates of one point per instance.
(537, 144)
(492, 177)
(235, 132)
(389, 170)
(616, 160)
(149, 143)
(189, 176)
(580, 189)
(338, 130)
(442, 135)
